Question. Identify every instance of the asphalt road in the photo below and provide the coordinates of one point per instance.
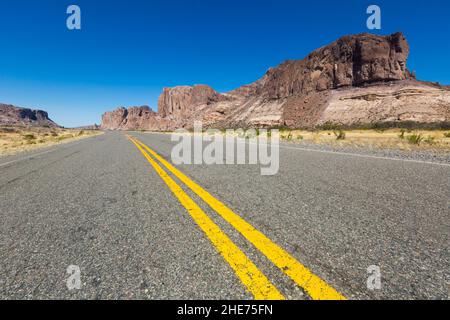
(101, 205)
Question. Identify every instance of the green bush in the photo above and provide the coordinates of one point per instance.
(415, 138)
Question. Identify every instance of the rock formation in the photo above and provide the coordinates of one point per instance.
(182, 101)
(134, 118)
(356, 79)
(12, 115)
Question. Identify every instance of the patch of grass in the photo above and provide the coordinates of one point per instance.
(328, 126)
(29, 137)
(447, 134)
(415, 139)
(382, 126)
(402, 134)
(66, 136)
(430, 140)
(340, 134)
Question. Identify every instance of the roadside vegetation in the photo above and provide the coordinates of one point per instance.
(400, 136)
(380, 138)
(15, 139)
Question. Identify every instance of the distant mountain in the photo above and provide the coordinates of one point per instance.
(12, 115)
(358, 79)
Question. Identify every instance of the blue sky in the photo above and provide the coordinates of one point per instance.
(127, 51)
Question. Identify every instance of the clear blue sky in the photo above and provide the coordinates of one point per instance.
(127, 51)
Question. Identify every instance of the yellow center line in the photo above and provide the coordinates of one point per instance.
(253, 279)
(317, 288)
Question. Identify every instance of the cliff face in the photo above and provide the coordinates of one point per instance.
(299, 92)
(133, 118)
(350, 61)
(12, 115)
(182, 101)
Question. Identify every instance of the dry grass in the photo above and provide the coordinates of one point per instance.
(387, 139)
(400, 139)
(18, 139)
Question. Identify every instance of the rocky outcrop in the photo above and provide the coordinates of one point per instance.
(183, 101)
(12, 115)
(351, 61)
(134, 118)
(400, 102)
(304, 93)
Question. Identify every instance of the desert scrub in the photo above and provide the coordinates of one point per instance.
(66, 136)
(287, 137)
(29, 137)
(447, 134)
(340, 135)
(429, 140)
(415, 139)
(8, 130)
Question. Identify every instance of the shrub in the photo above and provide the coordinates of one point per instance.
(415, 138)
(289, 136)
(328, 126)
(29, 136)
(402, 134)
(447, 134)
(340, 135)
(429, 140)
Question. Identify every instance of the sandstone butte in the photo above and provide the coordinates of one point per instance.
(359, 79)
(11, 115)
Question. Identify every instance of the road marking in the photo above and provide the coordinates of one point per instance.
(53, 148)
(364, 156)
(255, 281)
(358, 155)
(26, 158)
(316, 287)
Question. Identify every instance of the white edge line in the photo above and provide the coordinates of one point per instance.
(348, 154)
(54, 148)
(365, 156)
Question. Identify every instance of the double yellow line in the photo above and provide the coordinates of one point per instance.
(253, 279)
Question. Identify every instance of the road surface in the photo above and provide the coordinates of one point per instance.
(136, 230)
